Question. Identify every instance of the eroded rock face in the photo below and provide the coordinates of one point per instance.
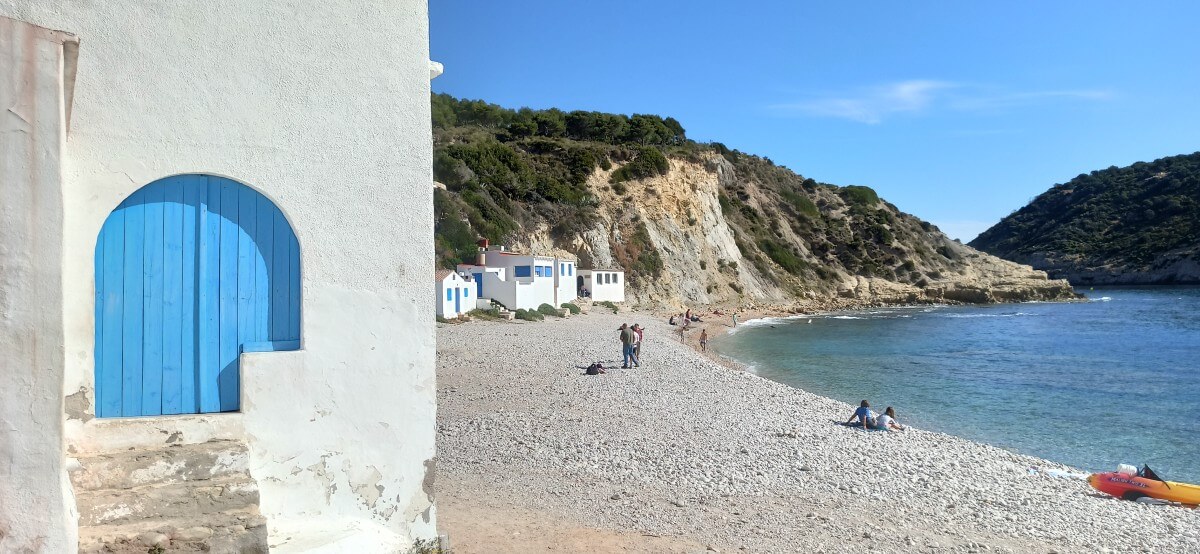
(709, 254)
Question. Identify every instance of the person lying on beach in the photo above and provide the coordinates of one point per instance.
(887, 421)
(864, 415)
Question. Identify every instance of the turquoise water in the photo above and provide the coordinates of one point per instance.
(1113, 380)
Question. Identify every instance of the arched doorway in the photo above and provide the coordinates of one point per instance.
(191, 271)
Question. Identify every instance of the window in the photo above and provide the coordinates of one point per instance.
(466, 293)
(521, 271)
(562, 269)
(449, 294)
(616, 277)
(548, 271)
(607, 278)
(537, 270)
(570, 269)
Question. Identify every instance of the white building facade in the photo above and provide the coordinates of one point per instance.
(603, 284)
(520, 281)
(138, 115)
(456, 295)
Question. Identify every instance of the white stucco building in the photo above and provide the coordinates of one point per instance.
(603, 284)
(198, 229)
(522, 281)
(455, 293)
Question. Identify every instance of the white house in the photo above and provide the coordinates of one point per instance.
(203, 275)
(521, 281)
(455, 293)
(603, 284)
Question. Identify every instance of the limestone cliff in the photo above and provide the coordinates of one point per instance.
(719, 233)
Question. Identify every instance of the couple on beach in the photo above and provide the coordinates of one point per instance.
(631, 344)
(870, 420)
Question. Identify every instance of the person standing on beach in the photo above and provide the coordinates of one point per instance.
(627, 340)
(704, 340)
(637, 344)
(735, 320)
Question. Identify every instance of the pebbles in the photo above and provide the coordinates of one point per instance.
(688, 443)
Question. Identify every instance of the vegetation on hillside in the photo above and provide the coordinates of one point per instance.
(1125, 218)
(507, 172)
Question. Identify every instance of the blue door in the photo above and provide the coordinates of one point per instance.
(478, 285)
(457, 300)
(191, 271)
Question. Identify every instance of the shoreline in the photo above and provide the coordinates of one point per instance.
(685, 452)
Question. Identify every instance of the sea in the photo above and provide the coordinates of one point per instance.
(1115, 379)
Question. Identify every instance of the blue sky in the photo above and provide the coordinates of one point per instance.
(956, 112)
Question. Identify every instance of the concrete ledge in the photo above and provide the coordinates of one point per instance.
(109, 434)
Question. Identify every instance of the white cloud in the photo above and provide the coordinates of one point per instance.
(872, 105)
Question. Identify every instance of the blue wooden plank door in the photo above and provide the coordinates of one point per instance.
(457, 300)
(191, 271)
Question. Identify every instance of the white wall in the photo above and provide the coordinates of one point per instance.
(515, 293)
(466, 291)
(323, 107)
(36, 510)
(600, 291)
(565, 289)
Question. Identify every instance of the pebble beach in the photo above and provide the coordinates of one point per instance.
(688, 454)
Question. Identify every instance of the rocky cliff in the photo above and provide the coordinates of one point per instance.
(1132, 225)
(710, 256)
(694, 224)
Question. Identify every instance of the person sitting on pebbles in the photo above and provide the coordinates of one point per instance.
(887, 421)
(864, 415)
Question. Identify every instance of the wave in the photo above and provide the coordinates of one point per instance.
(972, 316)
(1104, 299)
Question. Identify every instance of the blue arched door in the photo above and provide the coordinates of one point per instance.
(191, 271)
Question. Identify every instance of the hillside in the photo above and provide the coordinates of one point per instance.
(692, 223)
(1131, 225)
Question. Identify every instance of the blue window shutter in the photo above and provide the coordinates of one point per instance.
(521, 271)
(449, 295)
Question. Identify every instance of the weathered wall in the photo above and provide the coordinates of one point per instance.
(323, 107)
(36, 514)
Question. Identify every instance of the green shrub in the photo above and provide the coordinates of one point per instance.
(649, 162)
(859, 195)
(571, 308)
(782, 256)
(547, 309)
(441, 319)
(608, 304)
(529, 315)
(491, 313)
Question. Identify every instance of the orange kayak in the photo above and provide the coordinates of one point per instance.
(1133, 487)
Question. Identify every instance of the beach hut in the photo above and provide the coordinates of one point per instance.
(455, 293)
(603, 284)
(203, 272)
